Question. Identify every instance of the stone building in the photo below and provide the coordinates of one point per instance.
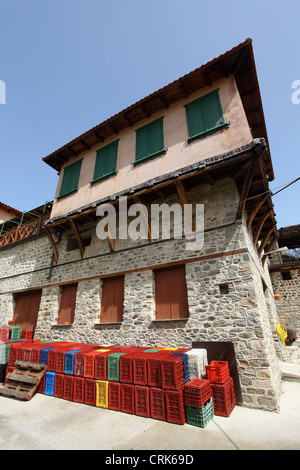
(200, 141)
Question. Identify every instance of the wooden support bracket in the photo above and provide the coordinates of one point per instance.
(53, 244)
(264, 242)
(245, 190)
(78, 237)
(144, 215)
(184, 201)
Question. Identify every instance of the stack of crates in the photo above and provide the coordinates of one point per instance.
(222, 386)
(198, 402)
(197, 360)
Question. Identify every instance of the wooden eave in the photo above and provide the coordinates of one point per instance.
(239, 61)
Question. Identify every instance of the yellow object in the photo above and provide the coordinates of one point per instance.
(282, 333)
(170, 349)
(102, 393)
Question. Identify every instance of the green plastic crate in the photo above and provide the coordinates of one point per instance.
(15, 333)
(200, 416)
(113, 366)
(4, 353)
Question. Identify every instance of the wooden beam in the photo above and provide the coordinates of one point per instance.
(241, 170)
(52, 242)
(264, 242)
(184, 200)
(268, 249)
(208, 178)
(245, 190)
(78, 236)
(144, 215)
(161, 193)
(260, 226)
(255, 211)
(110, 239)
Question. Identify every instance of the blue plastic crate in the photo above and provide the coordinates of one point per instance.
(186, 373)
(69, 361)
(44, 355)
(49, 383)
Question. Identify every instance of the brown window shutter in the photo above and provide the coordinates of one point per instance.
(112, 300)
(27, 309)
(67, 304)
(171, 294)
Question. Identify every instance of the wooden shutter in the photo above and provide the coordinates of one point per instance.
(112, 300)
(26, 309)
(67, 304)
(204, 115)
(70, 178)
(150, 141)
(106, 161)
(171, 294)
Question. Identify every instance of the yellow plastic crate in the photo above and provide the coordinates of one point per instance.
(102, 393)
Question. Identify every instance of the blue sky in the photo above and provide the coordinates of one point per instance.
(70, 64)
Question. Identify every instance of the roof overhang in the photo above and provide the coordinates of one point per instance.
(239, 62)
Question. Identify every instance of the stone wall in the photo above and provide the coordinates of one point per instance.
(244, 315)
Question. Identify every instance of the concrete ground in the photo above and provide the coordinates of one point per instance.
(48, 423)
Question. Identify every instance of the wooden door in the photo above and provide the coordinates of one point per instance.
(67, 304)
(112, 300)
(27, 309)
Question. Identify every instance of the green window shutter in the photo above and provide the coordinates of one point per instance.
(205, 116)
(70, 179)
(149, 141)
(106, 162)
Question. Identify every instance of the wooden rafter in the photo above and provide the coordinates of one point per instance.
(184, 201)
(245, 189)
(260, 226)
(255, 211)
(53, 245)
(137, 200)
(78, 236)
(268, 249)
(264, 241)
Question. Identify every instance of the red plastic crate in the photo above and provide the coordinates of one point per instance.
(78, 389)
(127, 398)
(27, 334)
(100, 364)
(41, 386)
(154, 368)
(4, 333)
(142, 401)
(126, 369)
(217, 372)
(172, 376)
(79, 361)
(90, 392)
(175, 406)
(68, 387)
(223, 397)
(114, 396)
(59, 386)
(88, 364)
(197, 392)
(9, 369)
(157, 404)
(139, 367)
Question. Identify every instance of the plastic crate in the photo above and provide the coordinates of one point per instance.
(49, 383)
(8, 370)
(142, 401)
(4, 353)
(68, 387)
(69, 361)
(41, 386)
(4, 333)
(100, 364)
(186, 373)
(197, 360)
(217, 372)
(26, 334)
(114, 396)
(59, 385)
(223, 397)
(157, 404)
(197, 392)
(175, 406)
(126, 370)
(127, 398)
(44, 355)
(113, 366)
(102, 393)
(200, 416)
(15, 333)
(154, 368)
(90, 392)
(140, 369)
(79, 361)
(172, 376)
(78, 389)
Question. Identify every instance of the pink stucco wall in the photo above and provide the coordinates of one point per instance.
(6, 215)
(179, 152)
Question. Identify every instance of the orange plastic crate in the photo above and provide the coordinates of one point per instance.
(217, 372)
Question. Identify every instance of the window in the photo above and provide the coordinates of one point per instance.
(204, 116)
(171, 294)
(224, 289)
(70, 180)
(106, 162)
(149, 141)
(286, 275)
(67, 305)
(112, 300)
(26, 311)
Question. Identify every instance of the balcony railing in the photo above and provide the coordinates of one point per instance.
(21, 232)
